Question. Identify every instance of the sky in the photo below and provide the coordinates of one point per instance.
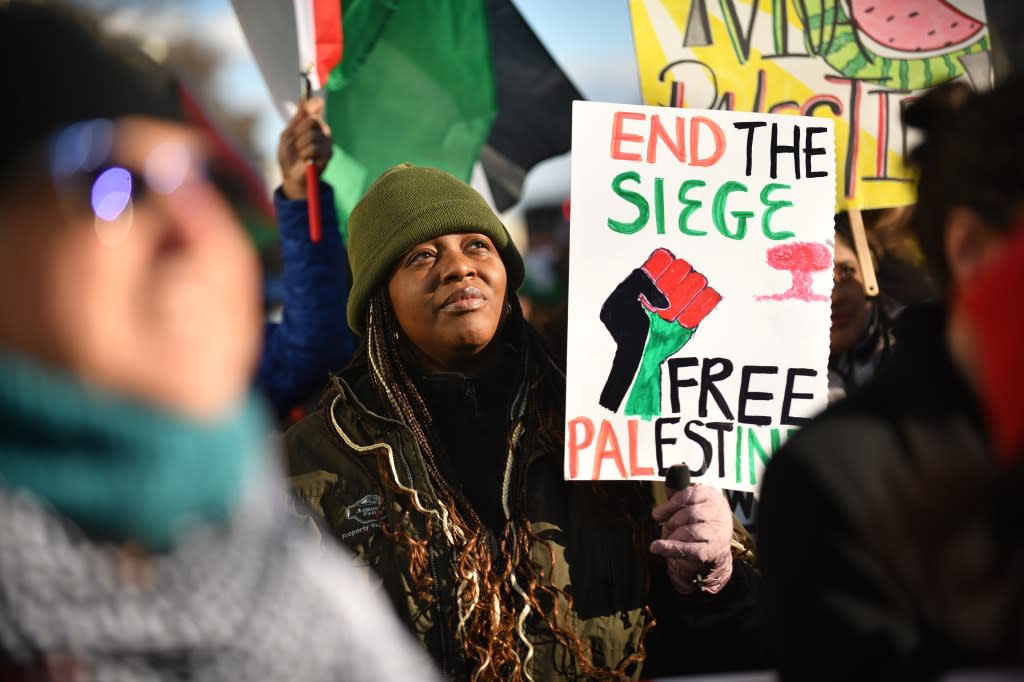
(590, 39)
(598, 57)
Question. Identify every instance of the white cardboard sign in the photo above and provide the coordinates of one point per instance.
(700, 274)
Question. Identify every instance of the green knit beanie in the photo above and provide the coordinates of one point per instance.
(408, 205)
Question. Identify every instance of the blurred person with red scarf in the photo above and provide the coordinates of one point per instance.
(987, 341)
(887, 526)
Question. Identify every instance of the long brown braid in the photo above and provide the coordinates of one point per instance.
(490, 586)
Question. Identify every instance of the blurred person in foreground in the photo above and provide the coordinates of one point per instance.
(881, 541)
(139, 538)
(438, 458)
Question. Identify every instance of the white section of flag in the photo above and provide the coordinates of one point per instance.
(305, 27)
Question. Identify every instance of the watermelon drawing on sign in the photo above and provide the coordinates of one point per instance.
(913, 26)
(832, 35)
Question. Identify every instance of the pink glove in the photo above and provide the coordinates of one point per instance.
(696, 532)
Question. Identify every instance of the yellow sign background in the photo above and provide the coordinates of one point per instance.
(808, 57)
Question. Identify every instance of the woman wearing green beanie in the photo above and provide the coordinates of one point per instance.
(437, 457)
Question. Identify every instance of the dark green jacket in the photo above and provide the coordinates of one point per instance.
(336, 456)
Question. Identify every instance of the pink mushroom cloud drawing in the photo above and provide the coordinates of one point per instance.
(801, 259)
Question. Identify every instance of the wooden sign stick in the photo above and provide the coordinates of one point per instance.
(860, 245)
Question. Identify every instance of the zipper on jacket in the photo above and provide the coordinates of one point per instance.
(446, 668)
(442, 626)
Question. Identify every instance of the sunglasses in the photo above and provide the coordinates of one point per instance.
(83, 168)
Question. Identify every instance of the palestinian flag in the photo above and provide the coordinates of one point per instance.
(320, 39)
(418, 83)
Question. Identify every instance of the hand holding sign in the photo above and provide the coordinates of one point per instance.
(696, 532)
(651, 315)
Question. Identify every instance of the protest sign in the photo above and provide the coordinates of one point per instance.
(700, 271)
(860, 63)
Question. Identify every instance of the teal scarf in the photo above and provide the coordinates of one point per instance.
(119, 469)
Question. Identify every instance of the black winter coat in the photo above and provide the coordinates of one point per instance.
(886, 540)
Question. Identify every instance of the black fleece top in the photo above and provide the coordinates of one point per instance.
(471, 416)
(882, 532)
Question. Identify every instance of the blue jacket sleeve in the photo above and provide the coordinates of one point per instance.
(313, 338)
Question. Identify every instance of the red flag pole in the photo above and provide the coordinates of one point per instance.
(313, 197)
(312, 182)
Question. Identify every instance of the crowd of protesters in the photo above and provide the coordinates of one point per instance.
(417, 525)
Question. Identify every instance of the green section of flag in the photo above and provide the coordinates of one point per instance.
(415, 84)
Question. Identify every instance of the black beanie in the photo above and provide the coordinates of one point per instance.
(57, 68)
